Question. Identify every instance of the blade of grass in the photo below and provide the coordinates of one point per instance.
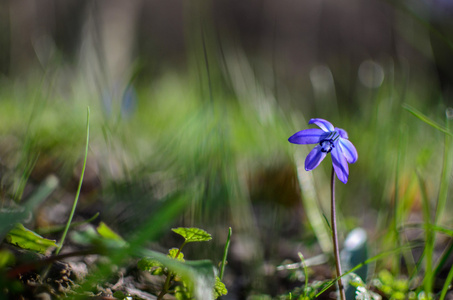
(407, 9)
(311, 202)
(304, 266)
(397, 211)
(425, 119)
(443, 192)
(29, 165)
(446, 286)
(446, 254)
(431, 227)
(58, 228)
(370, 260)
(225, 253)
(429, 238)
(71, 215)
(446, 172)
(206, 61)
(439, 229)
(444, 258)
(9, 218)
(159, 221)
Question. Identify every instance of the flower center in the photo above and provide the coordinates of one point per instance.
(328, 144)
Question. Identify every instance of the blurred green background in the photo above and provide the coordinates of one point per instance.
(198, 98)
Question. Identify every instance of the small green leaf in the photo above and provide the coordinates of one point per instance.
(150, 264)
(9, 217)
(193, 234)
(29, 240)
(147, 264)
(108, 233)
(173, 252)
(6, 258)
(198, 275)
(219, 288)
(119, 295)
(182, 292)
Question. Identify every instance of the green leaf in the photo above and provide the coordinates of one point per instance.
(330, 283)
(173, 252)
(182, 292)
(199, 274)
(29, 240)
(158, 222)
(219, 288)
(193, 234)
(10, 217)
(148, 264)
(105, 232)
(119, 295)
(7, 258)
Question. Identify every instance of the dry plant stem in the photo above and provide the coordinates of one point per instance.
(335, 237)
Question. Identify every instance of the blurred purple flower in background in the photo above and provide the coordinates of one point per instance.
(329, 139)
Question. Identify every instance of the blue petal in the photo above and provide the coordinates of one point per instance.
(314, 158)
(308, 136)
(340, 164)
(326, 126)
(349, 151)
(342, 133)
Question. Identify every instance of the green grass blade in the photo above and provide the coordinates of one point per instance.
(9, 218)
(58, 228)
(29, 165)
(445, 176)
(444, 258)
(49, 185)
(443, 192)
(314, 214)
(446, 286)
(68, 224)
(370, 260)
(436, 228)
(429, 237)
(397, 211)
(160, 220)
(304, 266)
(425, 119)
(225, 253)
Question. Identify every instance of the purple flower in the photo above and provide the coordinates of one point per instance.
(329, 139)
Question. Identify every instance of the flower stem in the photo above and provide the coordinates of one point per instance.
(170, 276)
(335, 237)
(166, 286)
(74, 205)
(225, 253)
